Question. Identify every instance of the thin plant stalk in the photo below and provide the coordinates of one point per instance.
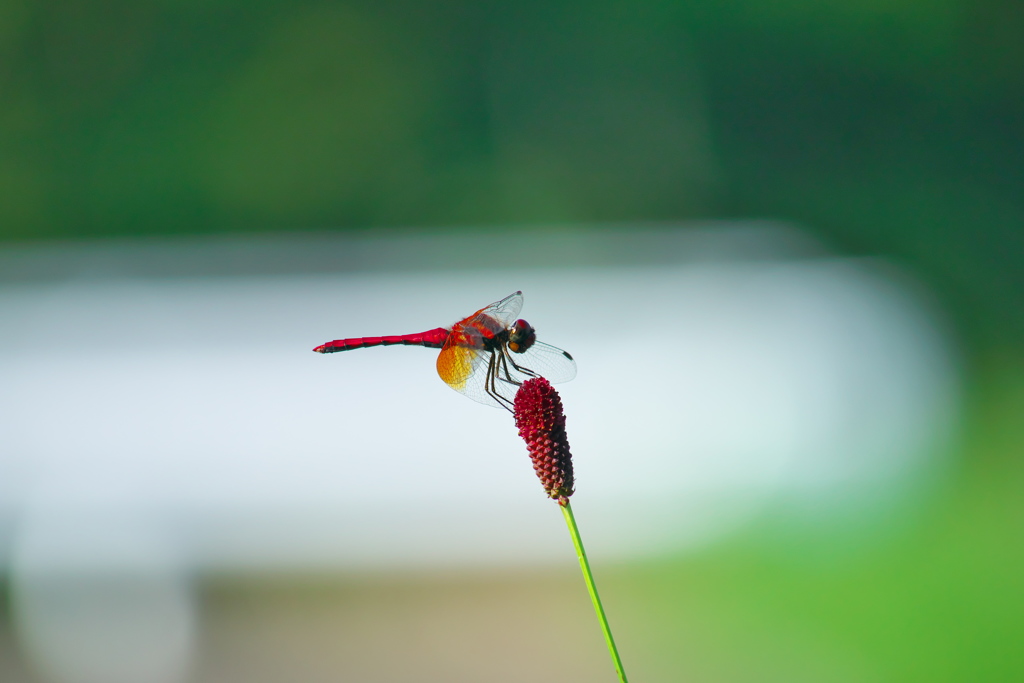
(581, 554)
(541, 422)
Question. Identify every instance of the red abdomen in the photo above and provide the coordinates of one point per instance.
(431, 338)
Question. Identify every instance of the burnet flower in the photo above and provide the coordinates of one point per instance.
(541, 423)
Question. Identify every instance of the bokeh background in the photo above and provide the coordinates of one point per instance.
(317, 162)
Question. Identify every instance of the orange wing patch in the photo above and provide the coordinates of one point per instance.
(455, 365)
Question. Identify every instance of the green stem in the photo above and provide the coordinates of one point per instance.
(581, 554)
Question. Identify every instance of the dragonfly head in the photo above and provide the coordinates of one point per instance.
(521, 336)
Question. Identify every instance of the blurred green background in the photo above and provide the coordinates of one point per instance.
(885, 128)
(889, 127)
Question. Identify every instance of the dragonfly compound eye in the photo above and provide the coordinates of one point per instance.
(521, 336)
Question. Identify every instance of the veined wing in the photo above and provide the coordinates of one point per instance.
(550, 362)
(464, 368)
(505, 311)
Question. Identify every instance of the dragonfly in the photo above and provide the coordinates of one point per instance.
(485, 356)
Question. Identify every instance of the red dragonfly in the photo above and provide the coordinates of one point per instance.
(485, 356)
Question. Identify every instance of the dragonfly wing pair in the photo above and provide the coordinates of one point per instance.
(477, 362)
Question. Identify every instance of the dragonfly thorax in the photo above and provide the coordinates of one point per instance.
(521, 336)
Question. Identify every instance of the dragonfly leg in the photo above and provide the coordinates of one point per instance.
(491, 381)
(519, 368)
(504, 361)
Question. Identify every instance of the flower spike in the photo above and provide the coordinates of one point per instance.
(541, 423)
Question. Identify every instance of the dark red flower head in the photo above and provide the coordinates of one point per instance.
(541, 423)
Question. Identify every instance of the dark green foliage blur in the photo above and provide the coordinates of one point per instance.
(886, 127)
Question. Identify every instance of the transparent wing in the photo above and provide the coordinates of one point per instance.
(457, 363)
(505, 311)
(464, 369)
(493, 378)
(550, 362)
